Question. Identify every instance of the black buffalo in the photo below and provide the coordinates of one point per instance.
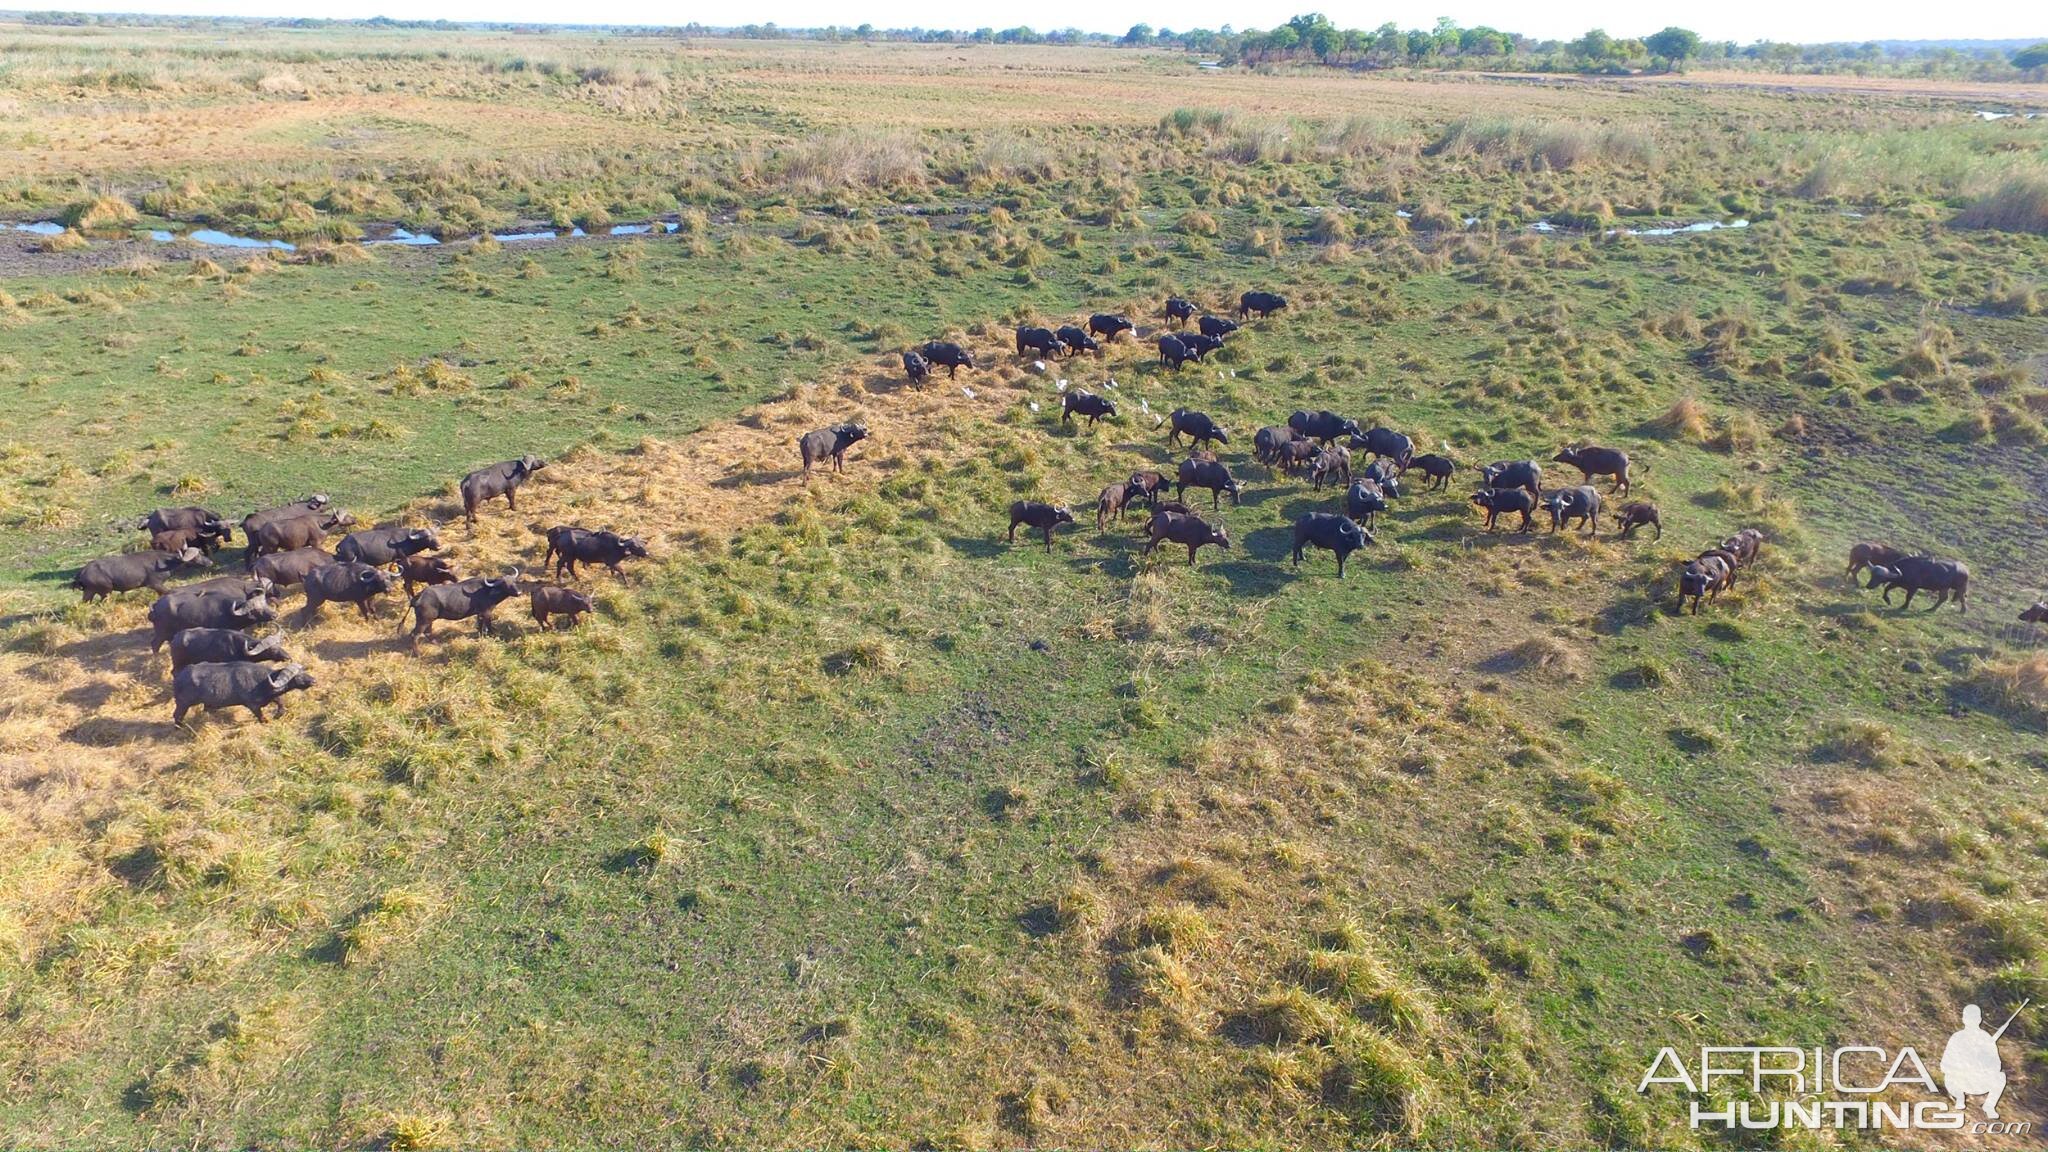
(290, 568)
(189, 518)
(948, 355)
(347, 582)
(223, 646)
(1704, 578)
(1173, 352)
(1387, 443)
(1194, 425)
(1386, 474)
(1208, 474)
(131, 570)
(417, 571)
(1324, 426)
(1439, 469)
(502, 479)
(1364, 501)
(386, 545)
(1107, 325)
(1566, 505)
(1082, 403)
(1328, 530)
(917, 368)
(285, 534)
(1198, 345)
(1332, 466)
(184, 608)
(1178, 311)
(1041, 341)
(829, 444)
(1924, 574)
(569, 546)
(1216, 327)
(1500, 500)
(205, 537)
(1042, 516)
(1259, 304)
(1634, 515)
(240, 685)
(548, 600)
(317, 502)
(1268, 441)
(476, 596)
(1076, 340)
(1526, 474)
(1183, 528)
(1593, 462)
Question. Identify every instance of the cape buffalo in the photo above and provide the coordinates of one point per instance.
(554, 600)
(1198, 345)
(223, 646)
(418, 571)
(1332, 466)
(829, 444)
(1259, 304)
(1074, 340)
(917, 368)
(1386, 474)
(1924, 574)
(1328, 530)
(1514, 474)
(501, 479)
(1148, 484)
(1107, 325)
(1194, 425)
(1083, 403)
(1593, 462)
(346, 582)
(1268, 441)
(131, 570)
(317, 502)
(1039, 340)
(569, 546)
(1183, 528)
(1637, 513)
(1439, 469)
(1498, 500)
(287, 569)
(1042, 516)
(475, 596)
(1867, 554)
(205, 537)
(2037, 613)
(948, 354)
(288, 533)
(382, 546)
(1208, 474)
(191, 517)
(1364, 501)
(182, 608)
(1705, 577)
(1178, 311)
(1173, 352)
(1323, 427)
(1581, 504)
(1389, 444)
(1216, 327)
(1113, 501)
(239, 685)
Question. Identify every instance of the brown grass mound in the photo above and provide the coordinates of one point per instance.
(1686, 419)
(2017, 687)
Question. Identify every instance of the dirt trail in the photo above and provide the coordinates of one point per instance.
(85, 709)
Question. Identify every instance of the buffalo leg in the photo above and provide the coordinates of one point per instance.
(1048, 539)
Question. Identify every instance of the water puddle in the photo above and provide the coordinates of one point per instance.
(1679, 229)
(214, 238)
(408, 239)
(640, 229)
(39, 227)
(521, 237)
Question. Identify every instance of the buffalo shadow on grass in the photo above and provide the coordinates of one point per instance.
(759, 476)
(1154, 451)
(108, 731)
(986, 548)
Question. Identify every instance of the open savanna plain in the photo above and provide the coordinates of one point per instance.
(845, 822)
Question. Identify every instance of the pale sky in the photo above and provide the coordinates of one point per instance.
(1804, 21)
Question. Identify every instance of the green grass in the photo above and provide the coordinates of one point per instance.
(844, 822)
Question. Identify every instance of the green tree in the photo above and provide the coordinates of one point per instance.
(1596, 45)
(2028, 59)
(1674, 44)
(1139, 34)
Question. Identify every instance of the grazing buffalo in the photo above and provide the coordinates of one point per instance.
(1113, 501)
(425, 572)
(1182, 528)
(1198, 345)
(1084, 403)
(1330, 531)
(1259, 304)
(191, 517)
(555, 600)
(1268, 441)
(1386, 474)
(1388, 444)
(317, 502)
(476, 596)
(347, 582)
(948, 355)
(569, 546)
(1514, 474)
(382, 546)
(1041, 341)
(131, 570)
(294, 532)
(1581, 504)
(287, 569)
(917, 369)
(1705, 577)
(1500, 500)
(1868, 554)
(1107, 326)
(1178, 311)
(1924, 574)
(1332, 466)
(223, 646)
(1216, 327)
(1744, 546)
(1439, 469)
(1593, 462)
(1324, 426)
(2036, 614)
(1148, 484)
(1042, 516)
(501, 479)
(1076, 340)
(1296, 455)
(1173, 352)
(1195, 426)
(205, 537)
(1208, 474)
(1364, 502)
(1637, 513)
(183, 608)
(829, 444)
(239, 685)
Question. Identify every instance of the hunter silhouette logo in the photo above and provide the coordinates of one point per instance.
(1970, 1065)
(1857, 1087)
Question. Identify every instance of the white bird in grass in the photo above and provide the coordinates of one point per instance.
(1061, 387)
(1112, 383)
(1158, 420)
(1143, 406)
(1034, 405)
(967, 392)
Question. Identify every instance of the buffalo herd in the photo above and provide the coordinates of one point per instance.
(218, 663)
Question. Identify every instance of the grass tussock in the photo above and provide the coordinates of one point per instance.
(2018, 204)
(2017, 686)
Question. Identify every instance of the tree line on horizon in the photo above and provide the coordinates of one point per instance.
(1308, 39)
